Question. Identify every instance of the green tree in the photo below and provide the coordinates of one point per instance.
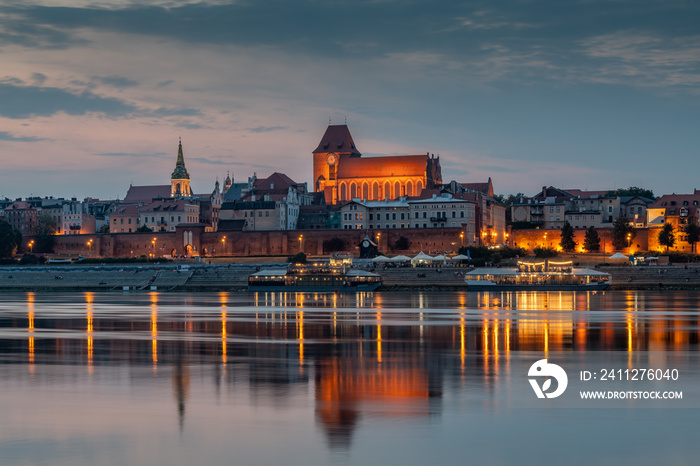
(298, 258)
(104, 228)
(8, 240)
(401, 244)
(632, 191)
(666, 236)
(46, 227)
(592, 241)
(141, 229)
(693, 232)
(544, 253)
(567, 242)
(622, 233)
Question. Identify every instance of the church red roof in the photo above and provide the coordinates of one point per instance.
(147, 193)
(337, 138)
(400, 165)
(278, 180)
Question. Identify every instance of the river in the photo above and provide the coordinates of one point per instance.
(408, 378)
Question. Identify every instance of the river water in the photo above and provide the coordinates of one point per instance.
(409, 378)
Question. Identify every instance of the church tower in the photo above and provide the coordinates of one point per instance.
(180, 179)
(335, 147)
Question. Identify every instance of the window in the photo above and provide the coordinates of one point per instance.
(260, 213)
(178, 218)
(245, 214)
(557, 219)
(393, 216)
(122, 221)
(558, 207)
(402, 217)
(551, 209)
(129, 220)
(461, 214)
(551, 218)
(425, 214)
(387, 216)
(610, 209)
(267, 213)
(370, 217)
(416, 215)
(577, 217)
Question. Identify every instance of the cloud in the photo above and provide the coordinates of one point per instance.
(38, 78)
(165, 112)
(28, 101)
(189, 126)
(643, 58)
(266, 129)
(165, 83)
(131, 154)
(5, 136)
(116, 81)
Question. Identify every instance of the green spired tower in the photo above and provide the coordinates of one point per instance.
(180, 179)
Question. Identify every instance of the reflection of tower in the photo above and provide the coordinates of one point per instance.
(181, 386)
(180, 179)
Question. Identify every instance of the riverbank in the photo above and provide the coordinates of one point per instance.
(233, 277)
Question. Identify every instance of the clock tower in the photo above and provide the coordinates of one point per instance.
(336, 145)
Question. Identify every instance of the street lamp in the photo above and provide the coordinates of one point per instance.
(629, 239)
(31, 247)
(223, 242)
(301, 238)
(154, 246)
(545, 240)
(461, 238)
(89, 244)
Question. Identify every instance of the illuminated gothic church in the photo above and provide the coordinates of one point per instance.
(342, 174)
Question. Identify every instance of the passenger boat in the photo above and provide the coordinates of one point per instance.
(544, 275)
(323, 277)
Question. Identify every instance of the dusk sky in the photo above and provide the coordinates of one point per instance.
(583, 94)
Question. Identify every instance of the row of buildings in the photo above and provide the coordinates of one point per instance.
(350, 192)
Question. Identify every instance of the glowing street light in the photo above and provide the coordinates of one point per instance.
(154, 246)
(89, 244)
(301, 238)
(629, 239)
(223, 242)
(461, 238)
(31, 247)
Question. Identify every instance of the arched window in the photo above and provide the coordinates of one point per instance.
(419, 188)
(343, 192)
(365, 191)
(387, 190)
(409, 189)
(397, 190)
(353, 191)
(375, 191)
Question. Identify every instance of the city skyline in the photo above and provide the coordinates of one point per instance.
(586, 95)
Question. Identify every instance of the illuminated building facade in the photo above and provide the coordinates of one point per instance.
(342, 174)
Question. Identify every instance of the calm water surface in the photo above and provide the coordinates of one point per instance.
(374, 378)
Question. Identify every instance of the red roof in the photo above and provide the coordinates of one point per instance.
(278, 180)
(147, 193)
(337, 138)
(399, 165)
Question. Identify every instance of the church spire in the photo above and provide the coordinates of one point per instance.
(180, 179)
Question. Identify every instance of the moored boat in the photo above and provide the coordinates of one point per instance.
(315, 277)
(545, 275)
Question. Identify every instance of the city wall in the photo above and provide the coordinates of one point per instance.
(193, 240)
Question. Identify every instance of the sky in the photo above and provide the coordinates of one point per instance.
(578, 94)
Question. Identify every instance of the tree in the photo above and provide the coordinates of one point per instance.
(592, 241)
(622, 233)
(141, 229)
(104, 228)
(544, 253)
(401, 244)
(632, 191)
(666, 236)
(693, 232)
(8, 240)
(46, 227)
(298, 258)
(567, 242)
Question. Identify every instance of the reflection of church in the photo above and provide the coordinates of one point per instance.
(342, 174)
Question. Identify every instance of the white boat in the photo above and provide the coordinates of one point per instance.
(544, 275)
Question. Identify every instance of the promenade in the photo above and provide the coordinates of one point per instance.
(220, 277)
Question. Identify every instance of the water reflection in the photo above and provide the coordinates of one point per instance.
(356, 357)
